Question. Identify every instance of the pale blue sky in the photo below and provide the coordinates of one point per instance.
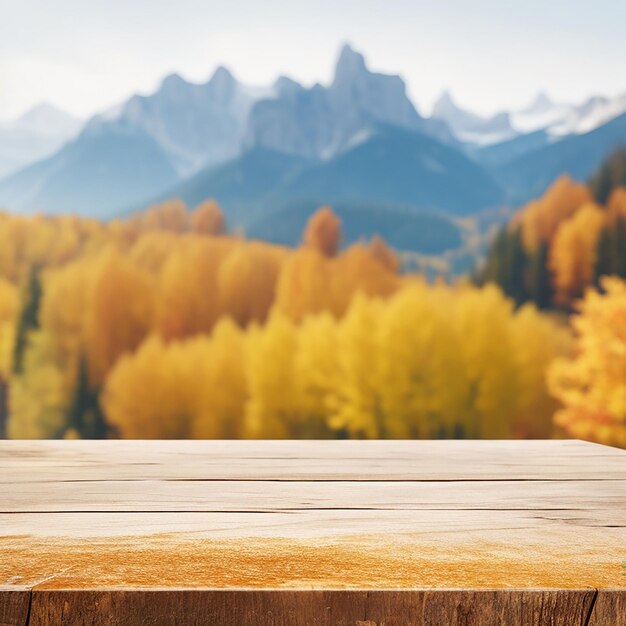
(85, 55)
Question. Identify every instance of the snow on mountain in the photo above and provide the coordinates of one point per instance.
(543, 113)
(470, 127)
(592, 114)
(560, 119)
(557, 119)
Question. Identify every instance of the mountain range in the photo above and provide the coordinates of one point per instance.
(555, 120)
(271, 154)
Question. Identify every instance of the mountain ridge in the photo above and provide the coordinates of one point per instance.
(34, 135)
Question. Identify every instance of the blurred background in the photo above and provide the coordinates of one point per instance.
(355, 219)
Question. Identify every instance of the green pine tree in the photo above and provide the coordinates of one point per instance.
(611, 174)
(84, 414)
(506, 265)
(516, 263)
(618, 248)
(540, 289)
(28, 320)
(604, 255)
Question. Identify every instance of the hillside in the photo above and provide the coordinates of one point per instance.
(498, 154)
(91, 175)
(392, 166)
(241, 186)
(397, 183)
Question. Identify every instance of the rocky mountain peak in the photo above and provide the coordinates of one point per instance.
(350, 65)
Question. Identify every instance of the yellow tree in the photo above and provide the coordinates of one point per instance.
(482, 318)
(10, 241)
(323, 232)
(188, 298)
(207, 219)
(220, 403)
(118, 314)
(171, 215)
(9, 308)
(192, 388)
(67, 243)
(358, 270)
(424, 392)
(537, 340)
(152, 250)
(573, 253)
(272, 410)
(592, 384)
(150, 394)
(66, 297)
(356, 404)
(247, 281)
(38, 398)
(541, 219)
(304, 285)
(316, 371)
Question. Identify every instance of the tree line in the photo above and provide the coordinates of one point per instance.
(165, 325)
(564, 242)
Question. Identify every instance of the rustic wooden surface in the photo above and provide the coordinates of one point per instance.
(294, 533)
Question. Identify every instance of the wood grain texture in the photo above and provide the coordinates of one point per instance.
(311, 608)
(53, 461)
(609, 608)
(333, 532)
(14, 606)
(271, 496)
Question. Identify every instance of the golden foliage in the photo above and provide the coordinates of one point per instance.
(430, 361)
(186, 298)
(207, 219)
(178, 330)
(573, 252)
(581, 240)
(247, 281)
(323, 232)
(9, 307)
(304, 285)
(38, 398)
(149, 395)
(592, 384)
(541, 218)
(384, 254)
(118, 314)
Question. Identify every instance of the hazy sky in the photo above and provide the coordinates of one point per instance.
(85, 55)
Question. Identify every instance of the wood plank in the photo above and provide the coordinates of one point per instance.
(14, 606)
(38, 461)
(307, 523)
(609, 608)
(311, 608)
(264, 496)
(313, 532)
(315, 549)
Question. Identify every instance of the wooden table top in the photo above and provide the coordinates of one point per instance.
(312, 532)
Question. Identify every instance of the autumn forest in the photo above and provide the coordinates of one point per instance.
(166, 325)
